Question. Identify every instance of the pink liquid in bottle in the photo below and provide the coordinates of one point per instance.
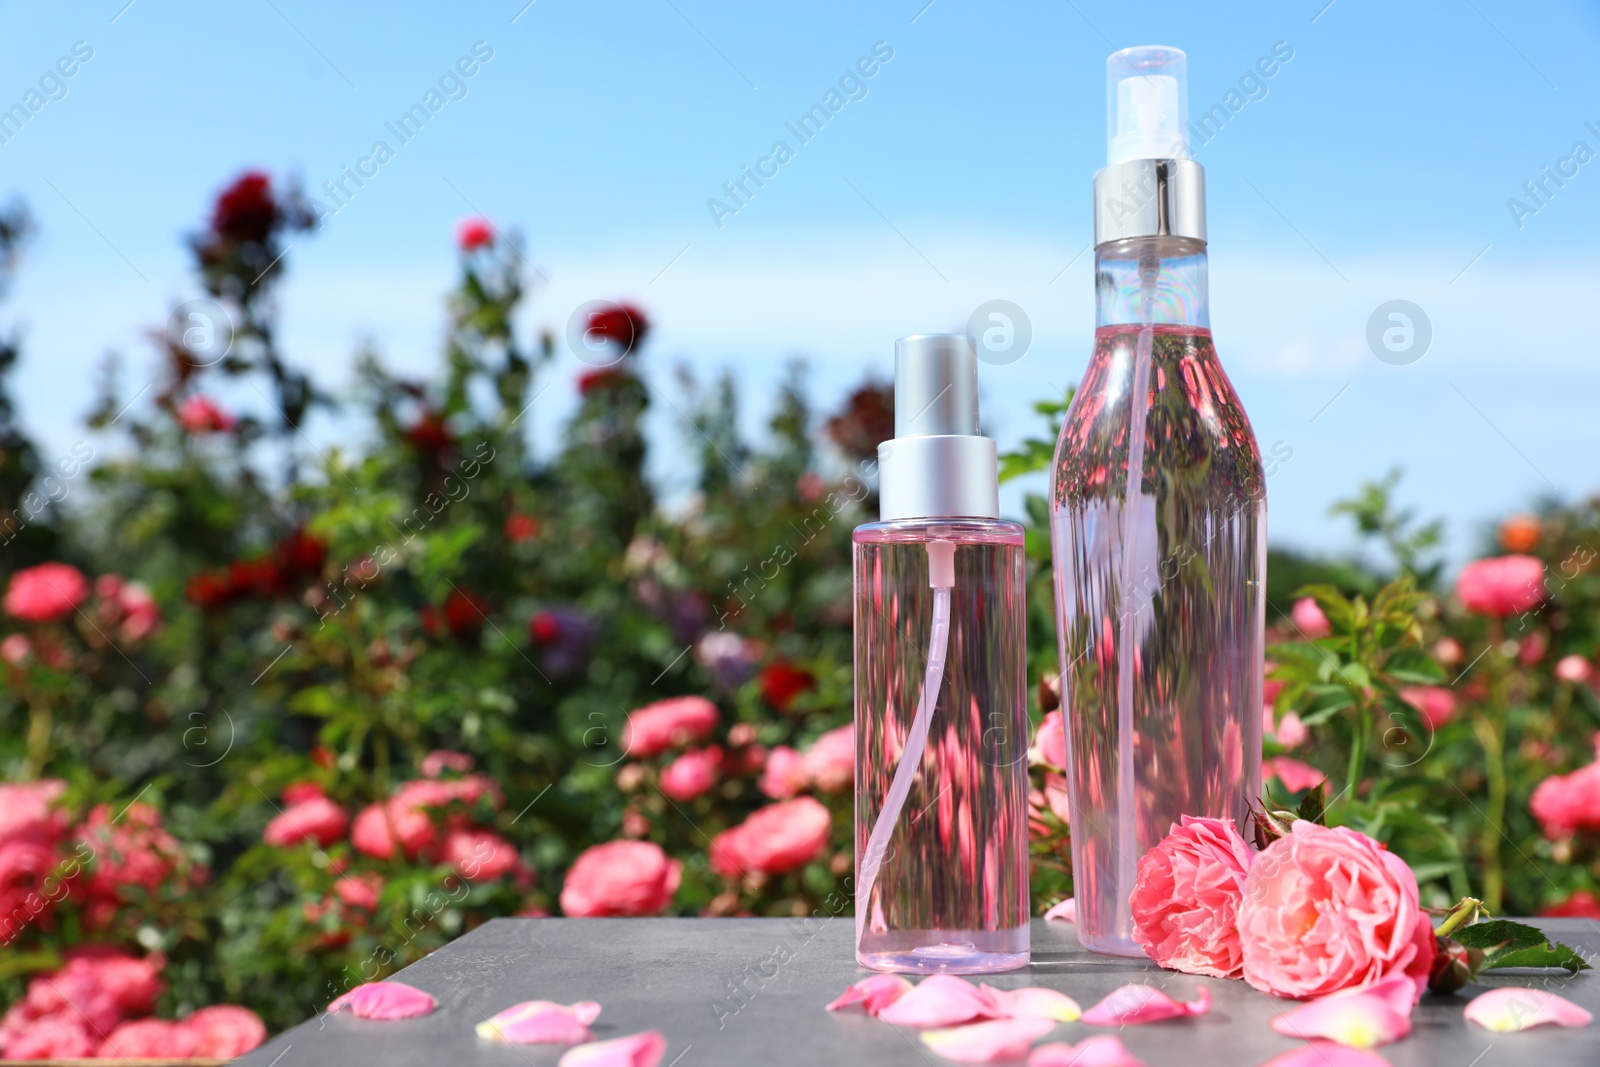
(1159, 591)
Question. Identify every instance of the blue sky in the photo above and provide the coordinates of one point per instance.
(1377, 166)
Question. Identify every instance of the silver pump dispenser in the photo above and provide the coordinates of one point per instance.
(937, 465)
(1150, 186)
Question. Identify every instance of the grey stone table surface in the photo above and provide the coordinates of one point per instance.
(751, 992)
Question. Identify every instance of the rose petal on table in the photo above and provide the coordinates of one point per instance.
(1133, 1004)
(1359, 1020)
(873, 994)
(1101, 1050)
(1515, 1008)
(1398, 990)
(940, 1000)
(987, 1042)
(1066, 911)
(495, 1027)
(1034, 1002)
(539, 1022)
(635, 1050)
(384, 1000)
(1326, 1054)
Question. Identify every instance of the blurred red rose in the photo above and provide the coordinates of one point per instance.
(1581, 904)
(377, 827)
(1435, 703)
(45, 593)
(246, 211)
(148, 1039)
(782, 682)
(623, 325)
(784, 773)
(473, 234)
(317, 819)
(521, 527)
(621, 878)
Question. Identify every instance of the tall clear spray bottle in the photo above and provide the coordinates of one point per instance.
(941, 688)
(1158, 522)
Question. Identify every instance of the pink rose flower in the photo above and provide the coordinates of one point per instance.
(774, 840)
(440, 760)
(224, 1031)
(1050, 742)
(692, 773)
(377, 827)
(317, 819)
(16, 649)
(1501, 586)
(621, 878)
(1294, 775)
(45, 593)
(480, 855)
(1327, 909)
(1567, 803)
(75, 992)
(28, 811)
(200, 414)
(1185, 903)
(1288, 731)
(784, 774)
(1309, 619)
(359, 890)
(667, 724)
(59, 1037)
(132, 982)
(1435, 703)
(1573, 669)
(830, 762)
(152, 1039)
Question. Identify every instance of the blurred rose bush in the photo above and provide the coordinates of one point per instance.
(279, 719)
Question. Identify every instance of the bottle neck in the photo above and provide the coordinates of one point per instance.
(1151, 280)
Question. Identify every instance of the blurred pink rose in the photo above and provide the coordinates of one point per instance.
(224, 1031)
(1288, 731)
(1501, 586)
(45, 593)
(1567, 803)
(59, 1037)
(1435, 703)
(359, 890)
(784, 774)
(667, 724)
(1532, 648)
(830, 762)
(1185, 903)
(133, 983)
(317, 820)
(28, 811)
(1448, 651)
(16, 649)
(1573, 669)
(152, 1039)
(1294, 775)
(480, 855)
(773, 840)
(131, 849)
(25, 868)
(1309, 619)
(74, 991)
(440, 760)
(442, 792)
(621, 878)
(199, 414)
(692, 773)
(378, 825)
(1050, 742)
(1327, 909)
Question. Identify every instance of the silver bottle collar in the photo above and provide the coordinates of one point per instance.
(1150, 198)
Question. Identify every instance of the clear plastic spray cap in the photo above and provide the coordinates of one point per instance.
(1147, 104)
